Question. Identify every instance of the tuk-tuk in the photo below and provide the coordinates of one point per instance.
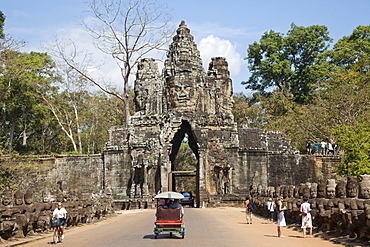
(168, 220)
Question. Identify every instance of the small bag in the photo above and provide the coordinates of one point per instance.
(304, 213)
(55, 222)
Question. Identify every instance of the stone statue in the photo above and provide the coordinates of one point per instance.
(18, 198)
(28, 197)
(313, 190)
(365, 186)
(291, 191)
(46, 196)
(6, 197)
(321, 189)
(330, 189)
(352, 187)
(341, 189)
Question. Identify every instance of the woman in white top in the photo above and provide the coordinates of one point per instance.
(306, 217)
(280, 216)
(61, 214)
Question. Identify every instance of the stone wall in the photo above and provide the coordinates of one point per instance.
(22, 215)
(339, 206)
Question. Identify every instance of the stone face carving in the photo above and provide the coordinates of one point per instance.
(341, 189)
(330, 189)
(18, 198)
(352, 187)
(148, 89)
(185, 100)
(365, 186)
(313, 190)
(6, 197)
(28, 197)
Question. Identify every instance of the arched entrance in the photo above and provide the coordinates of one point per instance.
(181, 172)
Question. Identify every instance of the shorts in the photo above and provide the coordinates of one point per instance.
(271, 215)
(62, 221)
(248, 213)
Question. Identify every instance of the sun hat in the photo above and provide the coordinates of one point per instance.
(270, 199)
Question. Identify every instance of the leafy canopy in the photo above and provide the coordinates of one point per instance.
(2, 20)
(293, 63)
(356, 141)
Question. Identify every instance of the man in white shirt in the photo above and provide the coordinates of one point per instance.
(61, 214)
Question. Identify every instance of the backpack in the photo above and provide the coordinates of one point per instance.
(250, 206)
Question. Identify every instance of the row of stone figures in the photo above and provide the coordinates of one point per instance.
(21, 215)
(341, 206)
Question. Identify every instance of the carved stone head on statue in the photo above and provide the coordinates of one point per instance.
(6, 197)
(330, 189)
(341, 189)
(321, 189)
(365, 186)
(271, 191)
(28, 197)
(181, 94)
(285, 191)
(46, 196)
(291, 191)
(352, 187)
(277, 191)
(18, 198)
(313, 190)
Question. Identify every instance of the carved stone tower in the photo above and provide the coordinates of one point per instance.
(185, 100)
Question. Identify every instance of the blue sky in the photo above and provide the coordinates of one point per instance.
(220, 27)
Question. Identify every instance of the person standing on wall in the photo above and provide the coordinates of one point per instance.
(248, 209)
(280, 216)
(306, 217)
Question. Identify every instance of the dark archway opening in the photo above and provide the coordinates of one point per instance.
(184, 157)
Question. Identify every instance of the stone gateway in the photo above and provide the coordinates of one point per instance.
(184, 100)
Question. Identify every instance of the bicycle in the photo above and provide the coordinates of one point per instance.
(57, 236)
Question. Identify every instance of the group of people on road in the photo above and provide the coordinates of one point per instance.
(279, 208)
(323, 148)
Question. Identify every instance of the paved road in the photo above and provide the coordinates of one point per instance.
(204, 227)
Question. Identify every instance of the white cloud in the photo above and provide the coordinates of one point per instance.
(213, 46)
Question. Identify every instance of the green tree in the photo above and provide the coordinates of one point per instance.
(2, 20)
(350, 49)
(293, 63)
(355, 140)
(22, 77)
(185, 161)
(103, 112)
(246, 112)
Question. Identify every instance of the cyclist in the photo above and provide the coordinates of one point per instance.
(61, 214)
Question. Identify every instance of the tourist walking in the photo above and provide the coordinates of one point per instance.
(280, 216)
(248, 210)
(60, 213)
(271, 209)
(306, 217)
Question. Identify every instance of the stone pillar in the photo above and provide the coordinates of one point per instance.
(203, 197)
